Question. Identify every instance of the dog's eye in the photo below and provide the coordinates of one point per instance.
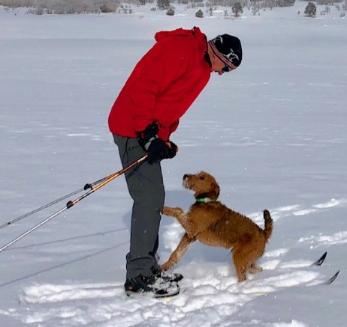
(202, 177)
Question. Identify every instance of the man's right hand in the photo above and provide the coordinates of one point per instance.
(156, 148)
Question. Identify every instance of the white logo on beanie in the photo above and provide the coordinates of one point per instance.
(231, 55)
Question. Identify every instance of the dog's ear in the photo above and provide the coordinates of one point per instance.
(214, 191)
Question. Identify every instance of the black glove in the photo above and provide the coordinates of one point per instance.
(159, 149)
(173, 148)
(156, 148)
(147, 135)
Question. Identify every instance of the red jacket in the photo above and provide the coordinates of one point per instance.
(163, 84)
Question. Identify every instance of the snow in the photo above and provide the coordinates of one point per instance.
(272, 133)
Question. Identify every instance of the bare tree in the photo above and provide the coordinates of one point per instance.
(63, 6)
(163, 4)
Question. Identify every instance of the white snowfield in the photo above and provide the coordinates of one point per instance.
(273, 133)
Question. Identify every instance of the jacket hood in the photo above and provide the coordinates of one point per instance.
(180, 32)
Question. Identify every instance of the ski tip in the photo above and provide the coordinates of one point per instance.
(333, 278)
(320, 261)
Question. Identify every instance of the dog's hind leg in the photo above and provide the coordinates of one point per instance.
(178, 253)
(253, 269)
(244, 256)
(240, 266)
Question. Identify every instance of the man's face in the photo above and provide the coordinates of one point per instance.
(218, 65)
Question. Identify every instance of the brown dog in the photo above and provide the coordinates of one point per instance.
(212, 223)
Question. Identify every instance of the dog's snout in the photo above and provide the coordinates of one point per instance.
(185, 176)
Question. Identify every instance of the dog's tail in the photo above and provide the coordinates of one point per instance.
(268, 224)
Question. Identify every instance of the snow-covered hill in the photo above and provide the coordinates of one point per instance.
(272, 132)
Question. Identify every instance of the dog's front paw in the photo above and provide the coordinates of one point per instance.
(172, 211)
(166, 266)
(166, 211)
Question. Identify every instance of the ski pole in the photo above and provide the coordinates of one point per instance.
(15, 220)
(71, 203)
(45, 206)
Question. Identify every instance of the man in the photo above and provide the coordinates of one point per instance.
(161, 88)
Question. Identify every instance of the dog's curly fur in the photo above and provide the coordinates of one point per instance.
(214, 224)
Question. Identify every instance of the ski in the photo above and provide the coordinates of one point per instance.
(167, 294)
(160, 293)
(332, 278)
(156, 295)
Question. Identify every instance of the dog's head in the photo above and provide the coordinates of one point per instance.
(203, 185)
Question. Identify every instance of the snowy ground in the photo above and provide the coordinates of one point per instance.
(275, 129)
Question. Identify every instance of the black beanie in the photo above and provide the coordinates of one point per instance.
(229, 47)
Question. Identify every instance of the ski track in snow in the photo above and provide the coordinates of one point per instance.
(217, 293)
(324, 240)
(298, 210)
(213, 289)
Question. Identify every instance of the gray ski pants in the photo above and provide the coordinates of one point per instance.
(145, 185)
